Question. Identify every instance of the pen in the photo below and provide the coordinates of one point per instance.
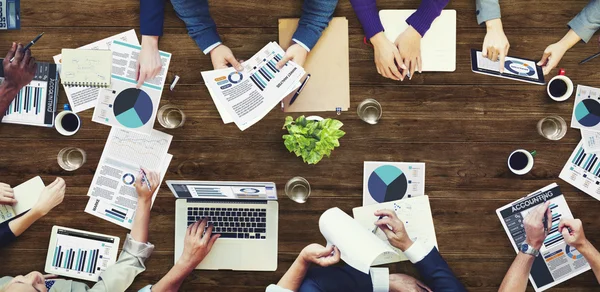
(589, 58)
(145, 179)
(30, 44)
(300, 89)
(376, 227)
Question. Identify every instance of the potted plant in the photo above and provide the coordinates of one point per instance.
(312, 138)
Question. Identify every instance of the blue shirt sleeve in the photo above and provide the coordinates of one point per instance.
(587, 22)
(6, 235)
(436, 273)
(200, 25)
(152, 17)
(316, 15)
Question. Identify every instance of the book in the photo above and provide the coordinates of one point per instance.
(557, 261)
(27, 195)
(35, 104)
(89, 68)
(415, 214)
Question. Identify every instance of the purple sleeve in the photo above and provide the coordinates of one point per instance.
(6, 235)
(427, 12)
(366, 11)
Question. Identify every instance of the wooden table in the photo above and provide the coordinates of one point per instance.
(463, 125)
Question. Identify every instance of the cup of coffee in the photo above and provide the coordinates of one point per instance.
(560, 87)
(520, 161)
(67, 123)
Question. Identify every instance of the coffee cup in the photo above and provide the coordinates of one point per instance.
(520, 161)
(560, 87)
(67, 123)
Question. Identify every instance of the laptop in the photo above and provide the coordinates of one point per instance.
(438, 46)
(246, 214)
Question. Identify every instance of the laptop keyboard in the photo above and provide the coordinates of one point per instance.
(245, 223)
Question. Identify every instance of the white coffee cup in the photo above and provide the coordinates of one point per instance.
(522, 163)
(569, 91)
(59, 126)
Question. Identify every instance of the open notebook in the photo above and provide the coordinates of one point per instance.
(27, 195)
(89, 68)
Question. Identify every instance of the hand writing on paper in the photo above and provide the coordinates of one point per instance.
(222, 57)
(145, 193)
(149, 63)
(320, 255)
(572, 231)
(394, 229)
(294, 53)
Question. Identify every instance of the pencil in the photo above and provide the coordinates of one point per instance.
(589, 58)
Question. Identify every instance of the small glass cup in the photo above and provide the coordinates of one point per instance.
(297, 189)
(71, 158)
(170, 116)
(552, 127)
(369, 110)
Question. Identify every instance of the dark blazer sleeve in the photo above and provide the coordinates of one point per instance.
(6, 235)
(436, 273)
(152, 17)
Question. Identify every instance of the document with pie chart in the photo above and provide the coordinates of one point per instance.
(391, 181)
(586, 110)
(123, 105)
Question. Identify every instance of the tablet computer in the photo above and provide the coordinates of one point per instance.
(80, 254)
(514, 68)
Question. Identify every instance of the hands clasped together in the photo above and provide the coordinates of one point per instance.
(399, 59)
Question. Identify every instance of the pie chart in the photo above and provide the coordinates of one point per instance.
(387, 183)
(133, 108)
(587, 112)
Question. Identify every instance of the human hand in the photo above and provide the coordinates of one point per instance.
(406, 283)
(387, 58)
(149, 63)
(7, 196)
(197, 243)
(320, 255)
(295, 53)
(393, 228)
(145, 193)
(52, 195)
(221, 57)
(21, 70)
(495, 43)
(535, 230)
(574, 237)
(552, 55)
(409, 46)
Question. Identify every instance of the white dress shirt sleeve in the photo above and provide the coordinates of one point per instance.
(211, 48)
(417, 252)
(381, 279)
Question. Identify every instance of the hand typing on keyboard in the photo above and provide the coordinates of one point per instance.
(197, 243)
(239, 223)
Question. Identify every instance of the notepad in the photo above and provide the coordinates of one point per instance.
(89, 68)
(27, 195)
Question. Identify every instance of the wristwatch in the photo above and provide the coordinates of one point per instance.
(528, 249)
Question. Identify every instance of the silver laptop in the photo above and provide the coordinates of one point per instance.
(246, 214)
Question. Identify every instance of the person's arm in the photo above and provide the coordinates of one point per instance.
(17, 74)
(200, 25)
(313, 253)
(572, 231)
(587, 22)
(535, 232)
(368, 16)
(197, 244)
(431, 266)
(554, 52)
(136, 248)
(427, 12)
(152, 17)
(487, 10)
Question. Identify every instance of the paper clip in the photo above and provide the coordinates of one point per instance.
(338, 110)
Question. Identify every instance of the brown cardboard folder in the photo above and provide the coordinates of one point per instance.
(328, 65)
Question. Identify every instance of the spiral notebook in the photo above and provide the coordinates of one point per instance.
(89, 68)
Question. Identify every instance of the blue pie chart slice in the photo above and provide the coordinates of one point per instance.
(133, 108)
(587, 112)
(387, 183)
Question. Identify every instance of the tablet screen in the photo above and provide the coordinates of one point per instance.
(512, 66)
(81, 254)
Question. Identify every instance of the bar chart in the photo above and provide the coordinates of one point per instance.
(553, 236)
(29, 104)
(81, 253)
(266, 71)
(582, 170)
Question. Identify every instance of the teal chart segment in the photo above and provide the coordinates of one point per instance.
(387, 183)
(587, 112)
(133, 108)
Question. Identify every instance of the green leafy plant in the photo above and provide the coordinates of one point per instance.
(312, 139)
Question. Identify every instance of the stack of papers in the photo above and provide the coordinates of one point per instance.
(113, 196)
(246, 97)
(582, 170)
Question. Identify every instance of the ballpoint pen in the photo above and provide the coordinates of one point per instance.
(300, 89)
(374, 231)
(30, 44)
(589, 58)
(145, 179)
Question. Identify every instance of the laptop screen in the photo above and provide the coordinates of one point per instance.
(223, 190)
